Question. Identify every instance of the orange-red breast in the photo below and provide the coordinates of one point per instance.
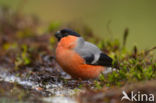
(79, 58)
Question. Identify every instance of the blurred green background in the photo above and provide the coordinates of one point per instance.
(104, 17)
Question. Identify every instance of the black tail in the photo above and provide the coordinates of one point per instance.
(104, 60)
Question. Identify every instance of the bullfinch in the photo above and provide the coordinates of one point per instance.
(79, 58)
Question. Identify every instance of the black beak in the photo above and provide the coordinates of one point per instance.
(58, 35)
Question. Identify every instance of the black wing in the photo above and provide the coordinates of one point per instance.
(92, 54)
(104, 60)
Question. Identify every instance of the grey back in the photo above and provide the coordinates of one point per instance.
(88, 51)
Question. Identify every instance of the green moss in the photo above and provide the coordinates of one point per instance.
(23, 58)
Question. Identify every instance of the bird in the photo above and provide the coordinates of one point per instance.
(79, 58)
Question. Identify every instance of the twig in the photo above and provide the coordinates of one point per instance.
(126, 32)
(148, 51)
